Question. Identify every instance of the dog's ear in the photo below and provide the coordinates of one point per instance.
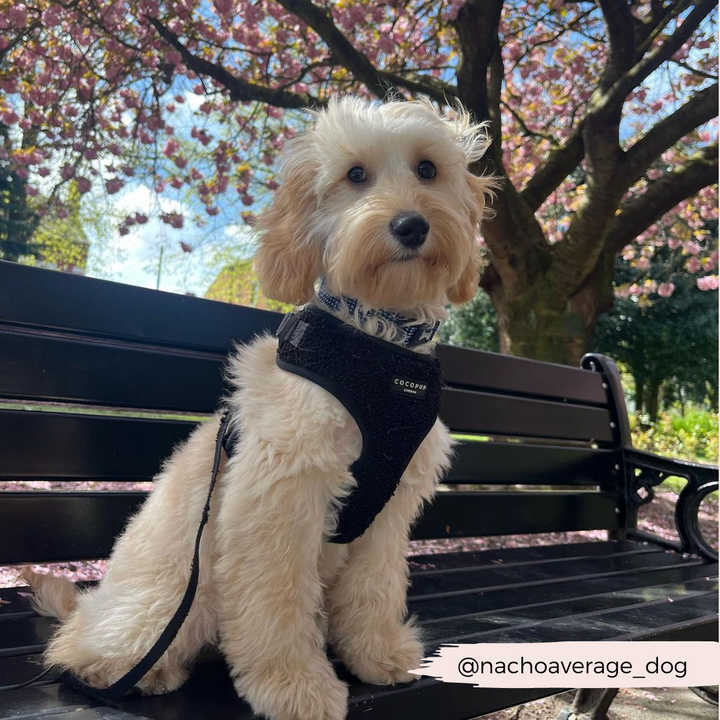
(467, 284)
(481, 192)
(289, 259)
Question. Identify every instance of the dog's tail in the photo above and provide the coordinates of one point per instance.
(52, 596)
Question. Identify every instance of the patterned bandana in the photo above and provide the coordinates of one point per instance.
(411, 332)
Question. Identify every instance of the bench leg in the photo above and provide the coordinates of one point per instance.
(269, 540)
(590, 704)
(367, 604)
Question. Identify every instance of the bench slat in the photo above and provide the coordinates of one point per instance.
(499, 576)
(466, 514)
(54, 527)
(71, 446)
(527, 464)
(466, 411)
(57, 527)
(61, 369)
(29, 297)
(491, 371)
(68, 446)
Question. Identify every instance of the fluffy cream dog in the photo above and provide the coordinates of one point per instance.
(272, 590)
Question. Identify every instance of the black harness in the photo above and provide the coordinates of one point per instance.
(392, 393)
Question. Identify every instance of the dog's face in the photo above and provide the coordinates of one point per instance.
(378, 199)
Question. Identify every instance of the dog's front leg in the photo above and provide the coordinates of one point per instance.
(270, 537)
(367, 604)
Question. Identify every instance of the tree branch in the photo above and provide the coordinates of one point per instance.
(701, 108)
(240, 90)
(694, 71)
(520, 251)
(526, 130)
(620, 24)
(559, 165)
(349, 57)
(655, 58)
(663, 195)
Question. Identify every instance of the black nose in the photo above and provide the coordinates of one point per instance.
(410, 230)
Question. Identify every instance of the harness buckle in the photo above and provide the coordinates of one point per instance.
(287, 325)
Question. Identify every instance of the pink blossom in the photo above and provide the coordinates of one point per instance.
(23, 173)
(709, 282)
(171, 147)
(173, 57)
(83, 184)
(51, 16)
(114, 185)
(691, 247)
(18, 16)
(31, 190)
(674, 243)
(9, 117)
(635, 290)
(642, 263)
(693, 265)
(666, 289)
(223, 7)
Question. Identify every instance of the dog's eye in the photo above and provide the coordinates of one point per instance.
(426, 170)
(357, 175)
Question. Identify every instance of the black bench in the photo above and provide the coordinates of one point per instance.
(555, 441)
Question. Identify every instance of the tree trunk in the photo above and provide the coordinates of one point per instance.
(653, 401)
(639, 395)
(538, 322)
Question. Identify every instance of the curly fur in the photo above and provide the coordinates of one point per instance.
(272, 590)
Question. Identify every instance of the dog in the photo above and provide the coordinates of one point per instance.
(272, 590)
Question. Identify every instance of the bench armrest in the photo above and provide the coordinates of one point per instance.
(646, 470)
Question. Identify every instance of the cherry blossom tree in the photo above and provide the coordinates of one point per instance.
(601, 113)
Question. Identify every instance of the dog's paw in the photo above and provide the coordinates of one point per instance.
(383, 658)
(163, 679)
(311, 693)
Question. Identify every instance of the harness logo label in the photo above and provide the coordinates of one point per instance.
(404, 386)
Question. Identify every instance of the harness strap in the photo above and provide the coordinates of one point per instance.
(128, 681)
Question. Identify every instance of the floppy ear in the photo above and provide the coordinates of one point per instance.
(467, 284)
(289, 259)
(481, 191)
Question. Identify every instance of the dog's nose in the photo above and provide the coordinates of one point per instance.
(410, 230)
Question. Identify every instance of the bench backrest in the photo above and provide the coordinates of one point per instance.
(98, 382)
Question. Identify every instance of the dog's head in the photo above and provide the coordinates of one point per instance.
(379, 200)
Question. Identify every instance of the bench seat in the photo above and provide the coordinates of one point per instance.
(619, 590)
(99, 381)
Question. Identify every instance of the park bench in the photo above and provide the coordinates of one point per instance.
(554, 455)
